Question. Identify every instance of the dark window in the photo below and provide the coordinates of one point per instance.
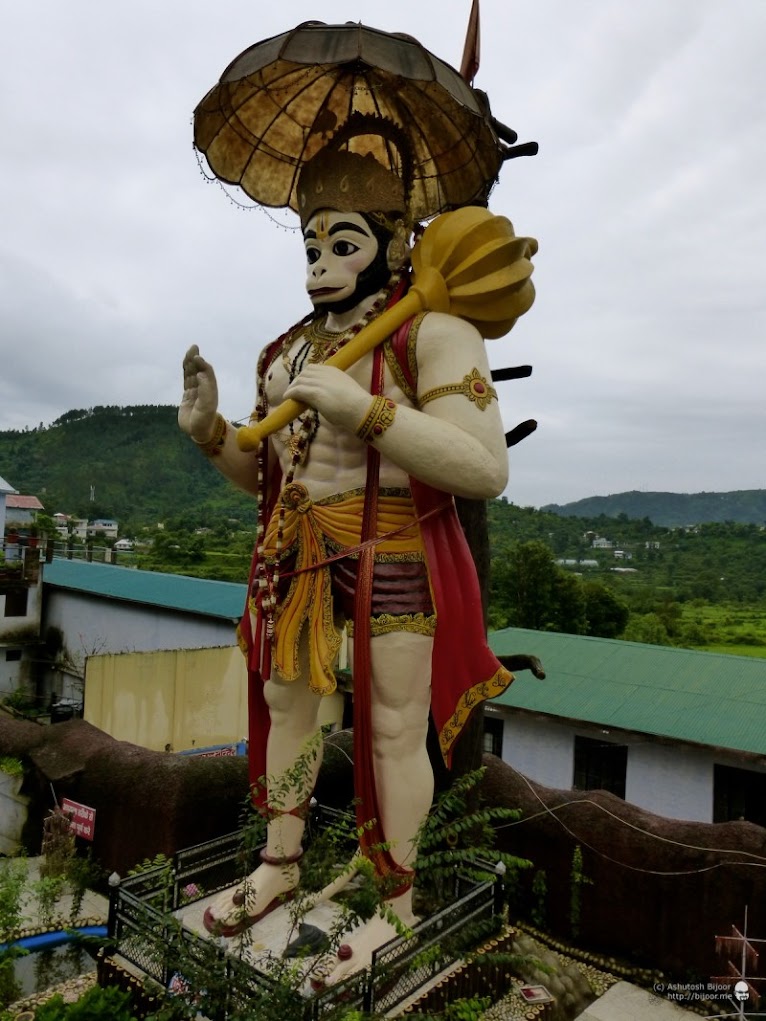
(493, 736)
(600, 766)
(16, 602)
(739, 794)
(12, 655)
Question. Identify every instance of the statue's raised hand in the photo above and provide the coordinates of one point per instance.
(199, 405)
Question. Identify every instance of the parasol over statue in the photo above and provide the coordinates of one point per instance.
(282, 100)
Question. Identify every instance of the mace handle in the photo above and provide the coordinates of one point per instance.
(249, 436)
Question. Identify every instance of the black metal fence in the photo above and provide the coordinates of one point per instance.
(147, 935)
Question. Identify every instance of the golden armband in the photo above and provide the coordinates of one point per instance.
(474, 386)
(379, 417)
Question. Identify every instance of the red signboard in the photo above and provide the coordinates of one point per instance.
(82, 818)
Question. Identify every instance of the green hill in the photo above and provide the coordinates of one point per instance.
(130, 463)
(141, 469)
(672, 510)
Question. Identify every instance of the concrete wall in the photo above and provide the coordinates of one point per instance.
(92, 625)
(184, 698)
(13, 814)
(670, 780)
(19, 634)
(543, 750)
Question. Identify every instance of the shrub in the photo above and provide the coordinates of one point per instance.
(96, 1005)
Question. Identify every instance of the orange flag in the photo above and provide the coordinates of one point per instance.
(469, 65)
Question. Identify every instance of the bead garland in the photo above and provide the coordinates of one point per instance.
(319, 345)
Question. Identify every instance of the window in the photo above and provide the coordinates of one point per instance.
(493, 736)
(600, 766)
(12, 655)
(16, 602)
(739, 794)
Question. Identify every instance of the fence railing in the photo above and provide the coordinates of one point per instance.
(146, 934)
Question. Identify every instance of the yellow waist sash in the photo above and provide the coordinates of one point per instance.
(307, 529)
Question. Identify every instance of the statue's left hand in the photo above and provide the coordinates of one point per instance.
(334, 394)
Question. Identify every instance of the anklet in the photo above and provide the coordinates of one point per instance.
(287, 859)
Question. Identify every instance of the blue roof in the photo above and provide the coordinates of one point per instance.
(223, 599)
(706, 698)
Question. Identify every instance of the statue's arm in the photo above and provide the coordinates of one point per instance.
(199, 418)
(462, 447)
(451, 443)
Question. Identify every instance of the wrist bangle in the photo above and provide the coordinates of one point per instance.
(213, 446)
(380, 415)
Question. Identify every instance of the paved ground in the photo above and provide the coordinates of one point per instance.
(626, 1002)
(622, 1002)
(94, 906)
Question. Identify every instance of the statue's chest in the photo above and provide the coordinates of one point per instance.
(287, 365)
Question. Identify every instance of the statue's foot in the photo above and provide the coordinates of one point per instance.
(235, 910)
(356, 950)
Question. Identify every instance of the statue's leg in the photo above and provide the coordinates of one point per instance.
(400, 696)
(293, 734)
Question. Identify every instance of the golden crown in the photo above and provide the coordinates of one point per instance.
(349, 183)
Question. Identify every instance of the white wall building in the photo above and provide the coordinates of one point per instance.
(677, 732)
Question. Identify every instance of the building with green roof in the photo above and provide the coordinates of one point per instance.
(678, 732)
(104, 608)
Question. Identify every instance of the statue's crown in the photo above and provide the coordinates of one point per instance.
(349, 183)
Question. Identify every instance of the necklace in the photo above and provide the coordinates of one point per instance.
(318, 344)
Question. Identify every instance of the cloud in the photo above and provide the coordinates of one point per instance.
(647, 334)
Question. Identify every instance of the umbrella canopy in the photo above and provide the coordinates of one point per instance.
(282, 100)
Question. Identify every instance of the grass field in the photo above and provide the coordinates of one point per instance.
(730, 628)
(756, 651)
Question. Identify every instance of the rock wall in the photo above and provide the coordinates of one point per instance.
(656, 892)
(13, 814)
(146, 802)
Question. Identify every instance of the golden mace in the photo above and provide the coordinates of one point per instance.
(468, 263)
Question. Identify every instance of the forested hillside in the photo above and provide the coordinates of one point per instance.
(674, 510)
(135, 461)
(142, 470)
(601, 574)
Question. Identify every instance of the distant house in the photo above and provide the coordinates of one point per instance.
(20, 600)
(67, 525)
(5, 492)
(82, 529)
(601, 543)
(21, 511)
(103, 526)
(677, 732)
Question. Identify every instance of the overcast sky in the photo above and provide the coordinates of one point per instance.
(648, 200)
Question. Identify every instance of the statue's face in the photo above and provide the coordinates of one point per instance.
(339, 247)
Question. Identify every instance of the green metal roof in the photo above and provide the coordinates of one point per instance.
(222, 599)
(703, 697)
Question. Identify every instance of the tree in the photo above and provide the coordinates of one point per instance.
(531, 591)
(607, 615)
(647, 628)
